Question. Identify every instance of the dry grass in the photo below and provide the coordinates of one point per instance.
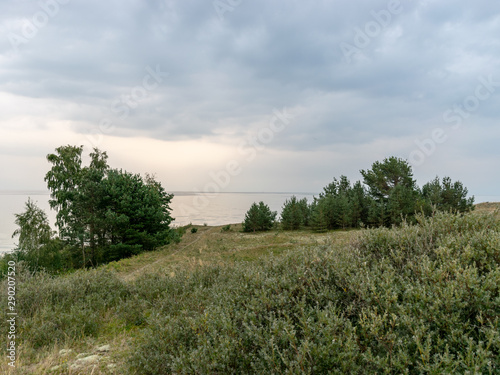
(487, 207)
(212, 245)
(44, 362)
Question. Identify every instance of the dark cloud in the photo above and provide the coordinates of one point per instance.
(227, 74)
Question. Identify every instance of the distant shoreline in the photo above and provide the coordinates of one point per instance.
(24, 192)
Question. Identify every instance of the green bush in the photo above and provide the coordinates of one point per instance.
(59, 309)
(417, 299)
(194, 230)
(176, 234)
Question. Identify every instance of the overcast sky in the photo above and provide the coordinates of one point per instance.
(241, 95)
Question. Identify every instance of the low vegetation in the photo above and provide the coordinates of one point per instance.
(416, 299)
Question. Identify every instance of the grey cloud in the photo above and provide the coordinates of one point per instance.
(262, 55)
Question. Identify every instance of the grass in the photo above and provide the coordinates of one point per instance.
(416, 299)
(487, 207)
(211, 245)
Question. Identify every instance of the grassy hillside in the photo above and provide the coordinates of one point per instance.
(487, 207)
(212, 245)
(416, 299)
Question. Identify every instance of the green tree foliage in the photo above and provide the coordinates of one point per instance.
(336, 187)
(34, 229)
(295, 213)
(392, 188)
(377, 213)
(391, 196)
(136, 215)
(37, 245)
(75, 195)
(385, 176)
(396, 195)
(402, 204)
(342, 208)
(64, 180)
(340, 205)
(359, 203)
(259, 218)
(319, 219)
(105, 214)
(446, 196)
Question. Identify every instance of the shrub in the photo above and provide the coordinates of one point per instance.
(176, 234)
(194, 230)
(60, 309)
(226, 228)
(416, 299)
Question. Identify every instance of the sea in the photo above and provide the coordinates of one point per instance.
(187, 207)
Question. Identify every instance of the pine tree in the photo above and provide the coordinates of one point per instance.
(295, 214)
(319, 221)
(392, 189)
(447, 196)
(259, 218)
(343, 211)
